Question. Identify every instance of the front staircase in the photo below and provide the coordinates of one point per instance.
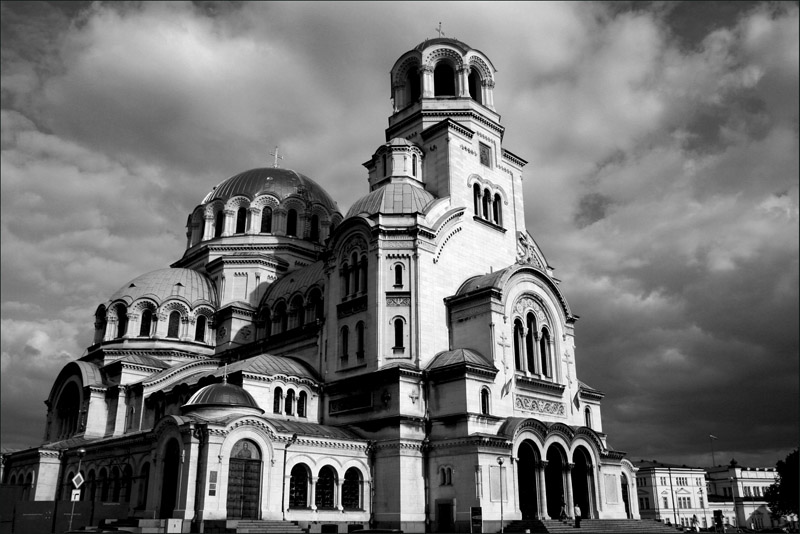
(278, 527)
(591, 526)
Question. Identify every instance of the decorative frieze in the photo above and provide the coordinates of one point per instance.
(530, 404)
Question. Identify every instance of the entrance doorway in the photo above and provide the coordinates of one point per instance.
(444, 516)
(554, 479)
(244, 480)
(169, 480)
(527, 480)
(625, 498)
(582, 481)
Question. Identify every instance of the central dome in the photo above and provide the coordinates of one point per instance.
(281, 183)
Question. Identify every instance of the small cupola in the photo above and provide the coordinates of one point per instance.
(397, 160)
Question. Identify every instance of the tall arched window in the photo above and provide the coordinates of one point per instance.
(518, 345)
(146, 323)
(444, 80)
(346, 280)
(173, 325)
(200, 329)
(314, 230)
(291, 223)
(266, 220)
(290, 402)
(324, 494)
(344, 341)
(302, 403)
(414, 165)
(351, 490)
(588, 417)
(398, 333)
(363, 278)
(544, 351)
(360, 339)
(296, 312)
(485, 401)
(475, 87)
(412, 82)
(398, 275)
(476, 199)
(241, 220)
(122, 320)
(497, 210)
(298, 487)
(487, 200)
(277, 402)
(355, 271)
(219, 223)
(530, 342)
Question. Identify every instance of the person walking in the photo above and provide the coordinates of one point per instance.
(577, 516)
(563, 514)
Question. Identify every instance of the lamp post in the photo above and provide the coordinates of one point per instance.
(283, 489)
(500, 463)
(81, 453)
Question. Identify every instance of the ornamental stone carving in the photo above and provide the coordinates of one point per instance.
(528, 303)
(530, 404)
(526, 250)
(398, 301)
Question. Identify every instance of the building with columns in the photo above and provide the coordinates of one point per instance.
(395, 366)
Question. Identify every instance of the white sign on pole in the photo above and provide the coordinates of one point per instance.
(77, 480)
(76, 495)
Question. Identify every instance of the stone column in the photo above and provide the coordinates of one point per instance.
(542, 488)
(119, 418)
(338, 499)
(312, 495)
(254, 218)
(463, 82)
(208, 226)
(568, 489)
(537, 362)
(427, 81)
(230, 222)
(488, 93)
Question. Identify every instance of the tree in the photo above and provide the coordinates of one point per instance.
(783, 496)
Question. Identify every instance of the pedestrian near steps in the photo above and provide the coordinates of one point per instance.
(577, 516)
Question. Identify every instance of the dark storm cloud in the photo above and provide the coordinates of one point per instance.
(662, 182)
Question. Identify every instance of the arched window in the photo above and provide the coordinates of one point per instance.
(146, 323)
(296, 312)
(103, 482)
(485, 401)
(302, 403)
(291, 223)
(298, 487)
(344, 341)
(314, 309)
(544, 351)
(398, 333)
(363, 269)
(126, 485)
(173, 326)
(398, 275)
(487, 199)
(355, 271)
(241, 220)
(518, 345)
(289, 402)
(588, 417)
(530, 342)
(100, 324)
(266, 220)
(476, 199)
(277, 402)
(351, 490)
(360, 339)
(122, 320)
(346, 280)
(200, 329)
(444, 80)
(475, 87)
(325, 497)
(497, 210)
(219, 223)
(314, 231)
(412, 82)
(414, 165)
(67, 410)
(27, 492)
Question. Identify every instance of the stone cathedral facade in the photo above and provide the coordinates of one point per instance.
(367, 368)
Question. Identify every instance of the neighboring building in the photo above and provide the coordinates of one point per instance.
(739, 493)
(336, 370)
(671, 493)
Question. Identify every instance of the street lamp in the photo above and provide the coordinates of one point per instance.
(500, 463)
(81, 453)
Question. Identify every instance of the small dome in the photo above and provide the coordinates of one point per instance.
(162, 284)
(281, 183)
(222, 395)
(396, 198)
(464, 47)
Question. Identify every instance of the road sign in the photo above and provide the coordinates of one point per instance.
(476, 519)
(77, 481)
(76, 495)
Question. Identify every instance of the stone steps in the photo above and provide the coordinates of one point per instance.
(591, 526)
(267, 526)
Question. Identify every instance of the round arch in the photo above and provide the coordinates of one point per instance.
(555, 477)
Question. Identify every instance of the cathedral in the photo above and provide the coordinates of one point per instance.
(409, 364)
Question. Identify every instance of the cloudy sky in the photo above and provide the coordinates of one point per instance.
(662, 184)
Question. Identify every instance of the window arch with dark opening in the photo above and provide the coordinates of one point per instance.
(145, 323)
(277, 402)
(122, 320)
(291, 223)
(174, 324)
(325, 496)
(485, 401)
(266, 220)
(298, 487)
(398, 275)
(219, 223)
(289, 402)
(530, 342)
(487, 199)
(360, 339)
(497, 210)
(302, 404)
(588, 417)
(444, 80)
(518, 344)
(544, 350)
(354, 273)
(414, 165)
(399, 328)
(200, 329)
(344, 342)
(68, 410)
(241, 220)
(475, 87)
(363, 277)
(351, 490)
(412, 82)
(314, 230)
(476, 199)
